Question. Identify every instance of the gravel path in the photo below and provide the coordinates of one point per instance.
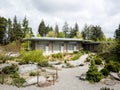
(68, 80)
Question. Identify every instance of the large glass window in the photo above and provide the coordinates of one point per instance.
(72, 46)
(58, 46)
(43, 46)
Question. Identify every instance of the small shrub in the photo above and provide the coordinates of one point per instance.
(93, 75)
(43, 63)
(33, 56)
(113, 66)
(76, 56)
(14, 75)
(18, 81)
(98, 61)
(57, 56)
(75, 52)
(32, 74)
(105, 72)
(10, 69)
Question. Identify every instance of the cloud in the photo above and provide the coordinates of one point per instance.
(97, 12)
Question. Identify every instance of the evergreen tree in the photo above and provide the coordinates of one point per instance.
(86, 33)
(66, 29)
(93, 75)
(117, 33)
(42, 29)
(93, 33)
(97, 34)
(75, 29)
(47, 29)
(3, 25)
(17, 30)
(117, 48)
(56, 30)
(25, 26)
(10, 30)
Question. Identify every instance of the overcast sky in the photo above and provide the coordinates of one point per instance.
(105, 13)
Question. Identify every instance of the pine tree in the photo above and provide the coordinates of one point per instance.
(93, 75)
(17, 30)
(66, 29)
(56, 30)
(3, 25)
(25, 26)
(42, 28)
(117, 48)
(10, 30)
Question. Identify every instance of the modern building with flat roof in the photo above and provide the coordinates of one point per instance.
(60, 45)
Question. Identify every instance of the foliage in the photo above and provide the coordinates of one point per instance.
(113, 66)
(73, 31)
(65, 29)
(10, 69)
(76, 56)
(38, 35)
(14, 75)
(97, 59)
(78, 35)
(117, 33)
(3, 24)
(51, 34)
(105, 71)
(33, 56)
(42, 28)
(93, 33)
(93, 75)
(18, 81)
(57, 56)
(56, 30)
(75, 52)
(61, 35)
(32, 74)
(43, 63)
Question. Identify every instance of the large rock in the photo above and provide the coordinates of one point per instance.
(115, 75)
(27, 68)
(80, 61)
(33, 80)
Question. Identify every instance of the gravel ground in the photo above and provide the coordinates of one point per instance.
(68, 80)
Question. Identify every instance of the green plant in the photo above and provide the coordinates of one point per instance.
(32, 74)
(75, 52)
(33, 56)
(76, 56)
(93, 75)
(105, 71)
(18, 81)
(58, 55)
(10, 69)
(43, 63)
(14, 75)
(97, 60)
(113, 66)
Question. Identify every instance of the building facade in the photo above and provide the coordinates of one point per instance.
(59, 45)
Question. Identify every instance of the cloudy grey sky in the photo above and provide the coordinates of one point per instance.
(105, 13)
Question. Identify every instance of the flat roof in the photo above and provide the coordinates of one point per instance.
(53, 39)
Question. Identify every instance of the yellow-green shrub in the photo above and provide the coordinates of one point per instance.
(33, 56)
